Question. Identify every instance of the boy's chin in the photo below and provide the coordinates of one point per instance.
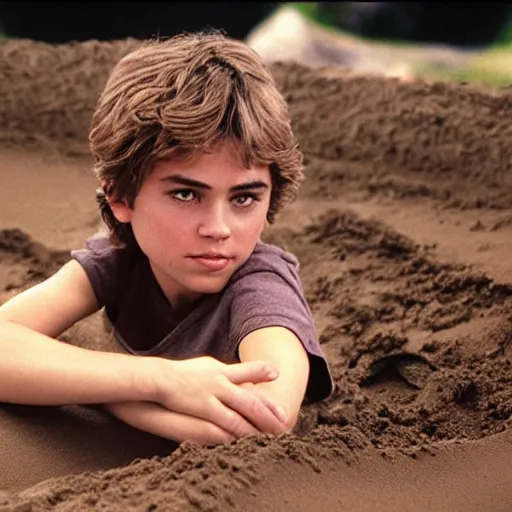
(208, 285)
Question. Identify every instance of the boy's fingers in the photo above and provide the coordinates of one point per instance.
(198, 430)
(231, 420)
(250, 406)
(278, 410)
(252, 371)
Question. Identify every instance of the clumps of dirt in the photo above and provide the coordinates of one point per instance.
(23, 261)
(379, 290)
(386, 278)
(452, 139)
(345, 235)
(192, 477)
(469, 400)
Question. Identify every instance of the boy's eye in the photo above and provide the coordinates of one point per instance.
(245, 200)
(184, 195)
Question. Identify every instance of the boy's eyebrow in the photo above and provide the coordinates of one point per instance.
(250, 185)
(189, 182)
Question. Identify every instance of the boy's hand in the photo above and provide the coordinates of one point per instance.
(206, 388)
(159, 421)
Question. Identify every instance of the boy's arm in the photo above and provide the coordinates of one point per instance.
(55, 304)
(159, 421)
(247, 410)
(37, 369)
(281, 346)
(275, 344)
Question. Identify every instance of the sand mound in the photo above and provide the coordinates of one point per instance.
(402, 231)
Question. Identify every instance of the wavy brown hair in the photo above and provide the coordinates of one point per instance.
(172, 98)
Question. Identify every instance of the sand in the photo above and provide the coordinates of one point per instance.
(403, 230)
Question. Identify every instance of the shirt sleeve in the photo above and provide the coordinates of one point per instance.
(100, 260)
(265, 299)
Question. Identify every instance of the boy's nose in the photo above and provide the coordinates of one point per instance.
(215, 226)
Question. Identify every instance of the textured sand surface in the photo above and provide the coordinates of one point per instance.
(403, 229)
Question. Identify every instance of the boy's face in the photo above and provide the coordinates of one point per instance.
(198, 221)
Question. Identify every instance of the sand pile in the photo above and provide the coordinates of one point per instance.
(403, 232)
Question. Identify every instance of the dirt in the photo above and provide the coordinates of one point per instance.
(403, 230)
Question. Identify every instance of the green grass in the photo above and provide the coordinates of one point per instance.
(504, 38)
(493, 66)
(311, 12)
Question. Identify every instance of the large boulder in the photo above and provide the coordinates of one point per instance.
(287, 35)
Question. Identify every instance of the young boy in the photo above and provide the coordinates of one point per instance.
(194, 152)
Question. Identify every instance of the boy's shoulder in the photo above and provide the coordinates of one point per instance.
(102, 259)
(99, 246)
(268, 258)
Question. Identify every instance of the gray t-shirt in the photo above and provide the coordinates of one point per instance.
(265, 291)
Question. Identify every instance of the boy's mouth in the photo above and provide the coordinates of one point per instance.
(212, 255)
(213, 261)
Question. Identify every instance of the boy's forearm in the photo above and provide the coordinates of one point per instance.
(38, 370)
(159, 421)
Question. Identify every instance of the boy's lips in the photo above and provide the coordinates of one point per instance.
(213, 261)
(212, 255)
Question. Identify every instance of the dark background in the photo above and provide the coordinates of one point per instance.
(59, 22)
(458, 23)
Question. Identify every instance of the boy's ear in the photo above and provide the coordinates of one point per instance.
(122, 212)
